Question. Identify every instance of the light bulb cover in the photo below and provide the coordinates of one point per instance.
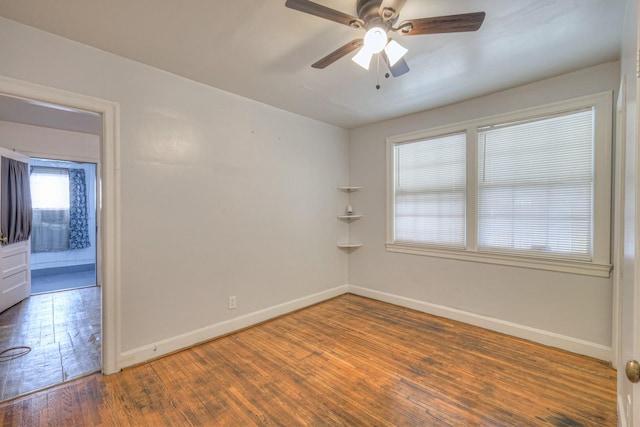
(363, 57)
(375, 39)
(395, 51)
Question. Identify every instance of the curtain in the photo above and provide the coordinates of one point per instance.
(16, 216)
(78, 216)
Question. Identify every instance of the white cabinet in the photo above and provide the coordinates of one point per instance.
(349, 216)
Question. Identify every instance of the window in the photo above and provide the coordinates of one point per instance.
(49, 188)
(529, 189)
(429, 203)
(50, 202)
(535, 186)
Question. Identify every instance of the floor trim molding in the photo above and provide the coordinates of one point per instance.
(552, 339)
(622, 413)
(189, 339)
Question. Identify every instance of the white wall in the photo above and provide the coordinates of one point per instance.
(38, 141)
(572, 311)
(220, 196)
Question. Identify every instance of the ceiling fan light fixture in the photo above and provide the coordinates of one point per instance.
(395, 51)
(379, 17)
(363, 57)
(375, 39)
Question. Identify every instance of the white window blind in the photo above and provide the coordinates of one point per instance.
(429, 191)
(535, 186)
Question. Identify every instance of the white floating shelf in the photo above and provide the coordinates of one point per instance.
(349, 245)
(349, 216)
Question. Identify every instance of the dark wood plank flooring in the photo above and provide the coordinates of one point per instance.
(63, 330)
(348, 361)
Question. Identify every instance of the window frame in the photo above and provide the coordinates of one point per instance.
(599, 266)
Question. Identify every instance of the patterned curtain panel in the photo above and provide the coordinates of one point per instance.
(16, 200)
(78, 216)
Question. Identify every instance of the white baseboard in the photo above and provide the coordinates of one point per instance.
(179, 342)
(552, 339)
(622, 413)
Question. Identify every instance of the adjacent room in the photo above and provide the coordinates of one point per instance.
(55, 322)
(343, 212)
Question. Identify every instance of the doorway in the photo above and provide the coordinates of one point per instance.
(58, 329)
(108, 247)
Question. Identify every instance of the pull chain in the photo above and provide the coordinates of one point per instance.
(378, 72)
(386, 75)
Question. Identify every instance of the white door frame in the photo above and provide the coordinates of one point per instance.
(635, 388)
(618, 223)
(109, 178)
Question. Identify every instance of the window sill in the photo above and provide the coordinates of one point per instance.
(564, 266)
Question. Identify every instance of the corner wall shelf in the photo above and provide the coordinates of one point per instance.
(349, 218)
(349, 245)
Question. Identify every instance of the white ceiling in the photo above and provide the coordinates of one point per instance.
(262, 50)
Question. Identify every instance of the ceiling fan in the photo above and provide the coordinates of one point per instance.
(378, 18)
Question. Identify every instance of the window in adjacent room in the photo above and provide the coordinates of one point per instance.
(50, 201)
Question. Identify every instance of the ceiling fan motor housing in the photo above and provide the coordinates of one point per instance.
(369, 12)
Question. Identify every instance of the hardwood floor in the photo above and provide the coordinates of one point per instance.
(348, 361)
(63, 330)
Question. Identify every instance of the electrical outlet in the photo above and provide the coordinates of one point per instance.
(232, 303)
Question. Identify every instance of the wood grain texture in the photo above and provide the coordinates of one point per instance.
(348, 361)
(63, 330)
(321, 11)
(442, 24)
(337, 54)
